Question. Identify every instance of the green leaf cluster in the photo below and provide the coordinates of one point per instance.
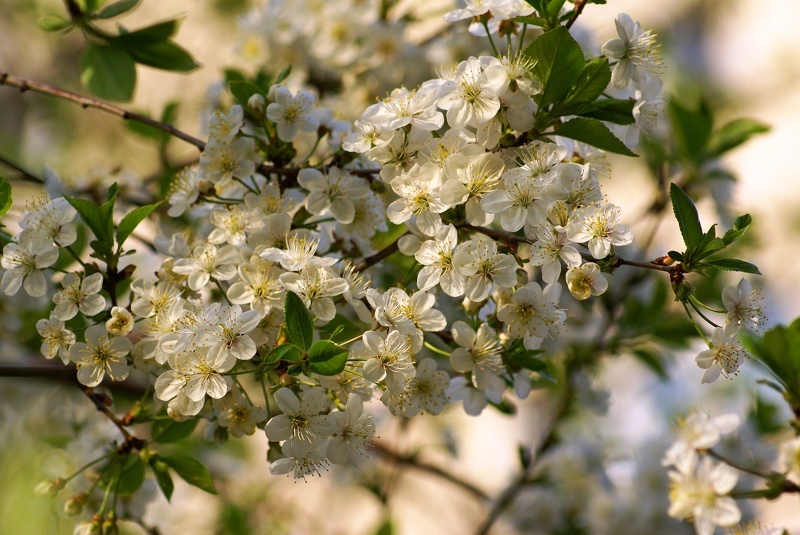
(99, 218)
(186, 467)
(702, 248)
(108, 62)
(572, 86)
(779, 350)
(301, 352)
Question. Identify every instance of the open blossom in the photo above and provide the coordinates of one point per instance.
(426, 392)
(586, 280)
(599, 225)
(635, 50)
(437, 257)
(701, 494)
(483, 267)
(532, 314)
(352, 430)
(366, 136)
(332, 192)
(468, 177)
(56, 338)
(302, 458)
(227, 336)
(699, 431)
(300, 251)
(259, 286)
(79, 294)
(472, 97)
(404, 107)
(100, 356)
(292, 114)
(419, 196)
(301, 420)
(221, 163)
(24, 262)
(237, 414)
(120, 323)
(51, 219)
(385, 357)
(549, 249)
(232, 224)
(316, 286)
(207, 262)
(223, 127)
(744, 306)
(480, 355)
(724, 356)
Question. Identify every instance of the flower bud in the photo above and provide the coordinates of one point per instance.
(74, 505)
(49, 489)
(120, 323)
(257, 103)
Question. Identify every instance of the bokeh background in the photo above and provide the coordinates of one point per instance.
(740, 54)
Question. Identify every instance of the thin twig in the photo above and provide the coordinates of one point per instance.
(505, 237)
(24, 174)
(579, 5)
(87, 102)
(412, 462)
(380, 255)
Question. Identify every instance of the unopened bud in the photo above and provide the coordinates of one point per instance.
(257, 102)
(49, 489)
(74, 505)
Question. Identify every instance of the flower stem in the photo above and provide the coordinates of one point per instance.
(491, 41)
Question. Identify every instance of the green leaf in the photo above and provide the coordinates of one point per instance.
(242, 91)
(5, 196)
(169, 431)
(132, 220)
(108, 72)
(112, 192)
(592, 82)
(594, 133)
(691, 129)
(766, 416)
(533, 21)
(734, 134)
(287, 352)
(53, 23)
(116, 9)
(559, 64)
(732, 264)
(284, 74)
(299, 324)
(164, 55)
(164, 480)
(91, 215)
(609, 110)
(686, 214)
(327, 358)
(131, 477)
(192, 471)
(527, 359)
(151, 34)
(554, 7)
(739, 228)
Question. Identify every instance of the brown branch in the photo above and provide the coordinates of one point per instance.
(505, 237)
(412, 462)
(579, 5)
(24, 174)
(380, 255)
(86, 102)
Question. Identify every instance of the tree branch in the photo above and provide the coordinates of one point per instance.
(380, 255)
(86, 102)
(579, 5)
(412, 462)
(24, 174)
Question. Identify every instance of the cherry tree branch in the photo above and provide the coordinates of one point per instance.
(86, 102)
(380, 255)
(579, 5)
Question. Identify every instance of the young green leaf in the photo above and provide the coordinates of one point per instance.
(739, 228)
(284, 74)
(594, 133)
(161, 472)
(116, 9)
(5, 196)
(242, 91)
(156, 33)
(53, 23)
(733, 264)
(192, 471)
(287, 352)
(559, 64)
(108, 72)
(131, 477)
(327, 358)
(691, 129)
(554, 7)
(686, 214)
(592, 82)
(652, 360)
(164, 55)
(533, 21)
(168, 431)
(91, 215)
(734, 134)
(132, 220)
(299, 324)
